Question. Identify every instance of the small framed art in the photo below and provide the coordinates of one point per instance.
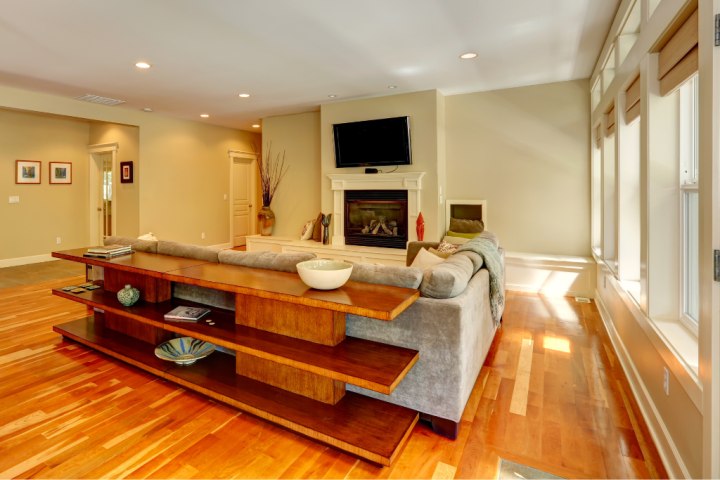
(27, 171)
(126, 172)
(60, 172)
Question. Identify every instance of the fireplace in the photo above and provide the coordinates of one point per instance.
(376, 218)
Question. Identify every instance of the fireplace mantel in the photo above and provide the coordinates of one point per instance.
(410, 181)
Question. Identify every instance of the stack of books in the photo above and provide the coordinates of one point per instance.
(108, 251)
(186, 314)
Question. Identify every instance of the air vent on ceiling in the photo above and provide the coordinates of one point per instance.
(101, 100)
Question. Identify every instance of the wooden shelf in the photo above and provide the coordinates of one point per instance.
(150, 264)
(361, 425)
(372, 365)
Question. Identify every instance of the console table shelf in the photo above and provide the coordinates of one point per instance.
(292, 358)
(358, 424)
(372, 365)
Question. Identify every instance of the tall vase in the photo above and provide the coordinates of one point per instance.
(266, 220)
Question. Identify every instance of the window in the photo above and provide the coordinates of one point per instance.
(688, 142)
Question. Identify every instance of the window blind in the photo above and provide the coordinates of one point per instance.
(610, 121)
(632, 100)
(678, 58)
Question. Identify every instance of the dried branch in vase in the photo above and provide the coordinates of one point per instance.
(271, 171)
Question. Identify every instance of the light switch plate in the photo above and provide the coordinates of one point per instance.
(14, 199)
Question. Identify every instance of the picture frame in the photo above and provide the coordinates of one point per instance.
(27, 171)
(126, 172)
(60, 173)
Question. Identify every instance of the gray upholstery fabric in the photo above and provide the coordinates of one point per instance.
(447, 279)
(283, 262)
(476, 259)
(387, 275)
(207, 296)
(490, 236)
(186, 250)
(453, 337)
(135, 244)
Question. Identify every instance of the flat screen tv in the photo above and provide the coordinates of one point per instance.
(385, 141)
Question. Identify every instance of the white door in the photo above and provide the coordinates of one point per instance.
(241, 201)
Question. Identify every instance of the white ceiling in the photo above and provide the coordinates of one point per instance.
(291, 54)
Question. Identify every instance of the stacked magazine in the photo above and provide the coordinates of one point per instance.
(186, 314)
(108, 251)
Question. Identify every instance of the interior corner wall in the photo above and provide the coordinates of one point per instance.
(183, 176)
(45, 211)
(526, 151)
(128, 194)
(422, 108)
(297, 198)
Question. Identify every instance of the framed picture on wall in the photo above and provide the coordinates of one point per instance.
(27, 171)
(61, 172)
(126, 172)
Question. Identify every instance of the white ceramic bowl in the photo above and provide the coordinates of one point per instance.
(324, 274)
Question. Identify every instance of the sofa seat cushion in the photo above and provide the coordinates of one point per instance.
(148, 246)
(186, 250)
(281, 262)
(447, 279)
(408, 277)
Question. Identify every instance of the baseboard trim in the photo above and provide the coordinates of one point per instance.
(14, 262)
(556, 275)
(661, 436)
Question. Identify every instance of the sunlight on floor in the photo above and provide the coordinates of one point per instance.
(557, 344)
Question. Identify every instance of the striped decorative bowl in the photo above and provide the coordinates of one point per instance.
(184, 350)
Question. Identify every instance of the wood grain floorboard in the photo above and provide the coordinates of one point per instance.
(550, 395)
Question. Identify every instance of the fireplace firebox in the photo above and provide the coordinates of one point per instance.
(376, 218)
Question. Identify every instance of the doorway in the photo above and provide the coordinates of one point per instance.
(102, 191)
(243, 166)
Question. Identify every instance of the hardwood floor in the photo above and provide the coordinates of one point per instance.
(551, 395)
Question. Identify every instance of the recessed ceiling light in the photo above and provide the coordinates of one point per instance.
(147, 109)
(143, 65)
(244, 95)
(255, 125)
(392, 87)
(204, 115)
(332, 95)
(468, 55)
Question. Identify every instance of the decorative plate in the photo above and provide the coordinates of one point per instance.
(184, 350)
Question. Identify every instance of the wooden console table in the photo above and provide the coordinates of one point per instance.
(291, 356)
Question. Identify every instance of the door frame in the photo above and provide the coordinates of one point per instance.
(251, 159)
(94, 185)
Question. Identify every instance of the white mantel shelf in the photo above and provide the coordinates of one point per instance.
(339, 182)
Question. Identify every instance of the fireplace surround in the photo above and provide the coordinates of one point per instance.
(341, 183)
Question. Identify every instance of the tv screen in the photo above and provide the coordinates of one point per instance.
(385, 141)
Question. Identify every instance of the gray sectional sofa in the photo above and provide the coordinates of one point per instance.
(452, 324)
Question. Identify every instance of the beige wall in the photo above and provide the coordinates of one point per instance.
(525, 151)
(182, 176)
(422, 108)
(127, 194)
(45, 211)
(297, 199)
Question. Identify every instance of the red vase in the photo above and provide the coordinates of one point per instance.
(420, 227)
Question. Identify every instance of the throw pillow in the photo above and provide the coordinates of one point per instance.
(307, 230)
(466, 225)
(317, 229)
(455, 240)
(424, 260)
(434, 251)
(447, 247)
(451, 233)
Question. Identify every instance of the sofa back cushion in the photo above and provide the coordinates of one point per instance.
(447, 279)
(137, 245)
(408, 277)
(186, 250)
(282, 262)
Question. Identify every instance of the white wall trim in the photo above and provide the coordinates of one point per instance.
(14, 262)
(557, 275)
(661, 436)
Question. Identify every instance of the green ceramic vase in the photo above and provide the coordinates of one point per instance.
(129, 295)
